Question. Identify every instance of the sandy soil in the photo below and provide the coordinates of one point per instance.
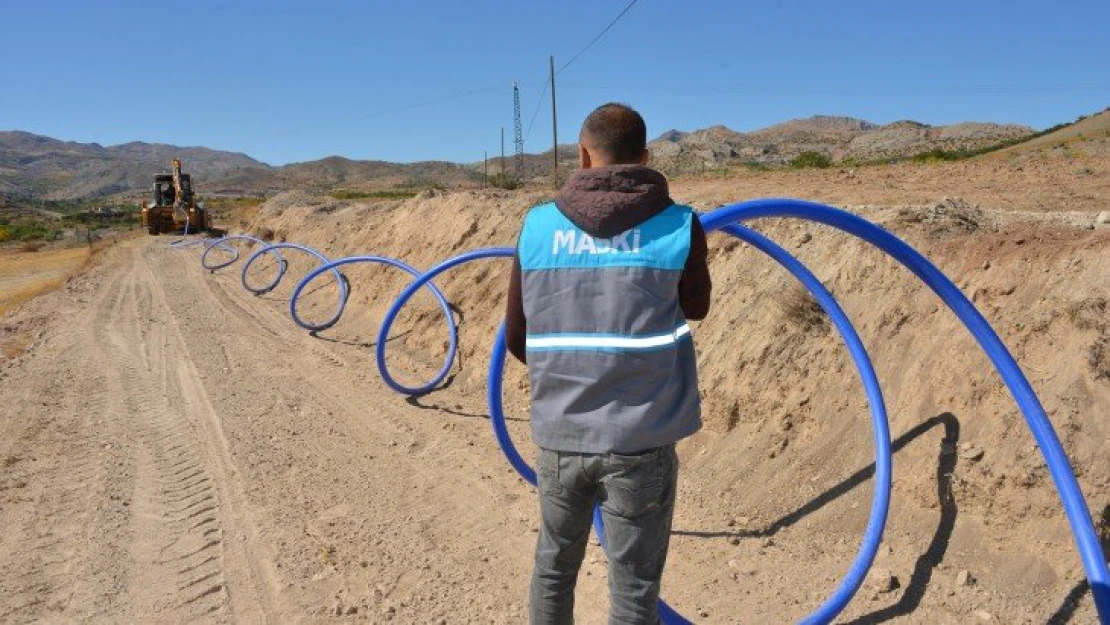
(175, 449)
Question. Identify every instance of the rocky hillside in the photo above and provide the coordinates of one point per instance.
(337, 172)
(33, 166)
(838, 138)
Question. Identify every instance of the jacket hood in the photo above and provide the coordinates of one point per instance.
(606, 201)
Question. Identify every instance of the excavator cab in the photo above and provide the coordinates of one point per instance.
(164, 194)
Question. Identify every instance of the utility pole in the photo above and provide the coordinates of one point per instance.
(554, 129)
(502, 170)
(518, 135)
(485, 168)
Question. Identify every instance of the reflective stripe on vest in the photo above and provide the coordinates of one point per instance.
(605, 342)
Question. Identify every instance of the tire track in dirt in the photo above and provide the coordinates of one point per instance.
(180, 451)
(193, 531)
(63, 499)
(172, 551)
(378, 507)
(117, 498)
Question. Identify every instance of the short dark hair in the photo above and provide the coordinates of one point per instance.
(617, 131)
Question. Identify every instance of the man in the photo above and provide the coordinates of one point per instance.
(604, 280)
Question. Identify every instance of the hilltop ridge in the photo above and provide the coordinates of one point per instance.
(35, 167)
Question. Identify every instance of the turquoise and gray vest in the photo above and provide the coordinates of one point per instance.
(610, 357)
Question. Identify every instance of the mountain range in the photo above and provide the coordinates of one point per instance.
(838, 138)
(38, 167)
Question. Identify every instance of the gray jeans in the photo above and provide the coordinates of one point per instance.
(636, 494)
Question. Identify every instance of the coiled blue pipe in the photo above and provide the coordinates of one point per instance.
(403, 298)
(452, 331)
(1063, 477)
(278, 275)
(223, 244)
(184, 243)
(1075, 506)
(187, 242)
(881, 499)
(344, 288)
(880, 504)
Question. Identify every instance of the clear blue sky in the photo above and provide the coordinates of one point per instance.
(430, 79)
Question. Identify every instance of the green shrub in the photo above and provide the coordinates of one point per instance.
(938, 154)
(502, 181)
(396, 194)
(811, 159)
(28, 231)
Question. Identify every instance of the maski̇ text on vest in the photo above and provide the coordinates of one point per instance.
(578, 242)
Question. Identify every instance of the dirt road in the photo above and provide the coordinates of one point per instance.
(172, 450)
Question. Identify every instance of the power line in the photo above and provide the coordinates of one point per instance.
(539, 101)
(595, 39)
(536, 112)
(948, 89)
(380, 113)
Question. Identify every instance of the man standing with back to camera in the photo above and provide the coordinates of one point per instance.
(604, 281)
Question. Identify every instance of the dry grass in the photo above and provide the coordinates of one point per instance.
(27, 275)
(26, 292)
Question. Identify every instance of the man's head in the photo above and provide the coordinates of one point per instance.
(613, 134)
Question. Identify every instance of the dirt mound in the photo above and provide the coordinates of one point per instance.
(785, 418)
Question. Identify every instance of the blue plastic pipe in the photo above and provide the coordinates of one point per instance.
(187, 242)
(184, 235)
(452, 331)
(881, 500)
(403, 298)
(223, 244)
(1075, 506)
(184, 243)
(344, 289)
(278, 275)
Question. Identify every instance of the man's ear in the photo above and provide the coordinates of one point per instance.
(583, 157)
(645, 158)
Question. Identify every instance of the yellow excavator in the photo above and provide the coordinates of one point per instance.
(174, 208)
